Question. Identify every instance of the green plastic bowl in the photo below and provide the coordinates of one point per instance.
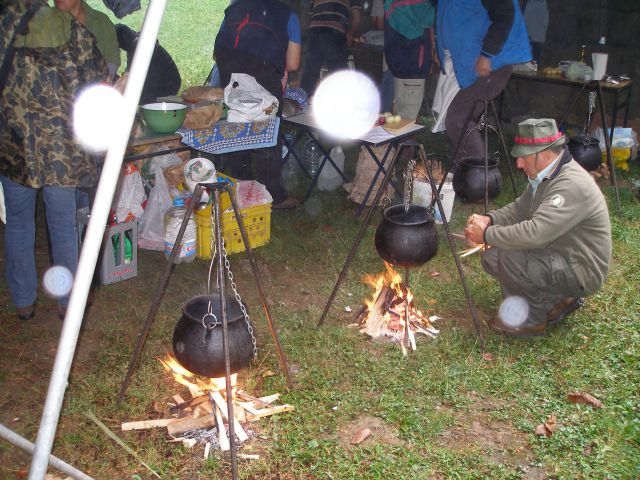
(164, 117)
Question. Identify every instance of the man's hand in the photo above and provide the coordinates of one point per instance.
(483, 66)
(476, 225)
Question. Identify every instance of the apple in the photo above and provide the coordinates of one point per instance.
(382, 120)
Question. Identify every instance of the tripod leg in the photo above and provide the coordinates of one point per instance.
(282, 359)
(486, 156)
(445, 224)
(155, 304)
(361, 232)
(504, 146)
(225, 335)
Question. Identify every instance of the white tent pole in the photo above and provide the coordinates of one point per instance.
(92, 243)
(21, 442)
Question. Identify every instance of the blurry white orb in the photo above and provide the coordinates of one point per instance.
(514, 311)
(346, 104)
(97, 117)
(57, 281)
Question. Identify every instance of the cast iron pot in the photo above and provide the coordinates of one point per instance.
(406, 238)
(469, 179)
(199, 348)
(586, 151)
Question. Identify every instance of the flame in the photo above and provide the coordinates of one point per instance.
(393, 320)
(197, 386)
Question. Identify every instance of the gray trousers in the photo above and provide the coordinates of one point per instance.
(542, 277)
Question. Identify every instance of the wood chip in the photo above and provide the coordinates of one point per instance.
(185, 424)
(360, 436)
(585, 399)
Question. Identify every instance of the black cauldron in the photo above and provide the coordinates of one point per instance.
(469, 179)
(406, 238)
(586, 151)
(199, 348)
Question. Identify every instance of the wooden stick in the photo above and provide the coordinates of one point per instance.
(185, 424)
(221, 404)
(145, 424)
(266, 412)
(190, 403)
(248, 456)
(376, 315)
(223, 439)
(207, 447)
(256, 400)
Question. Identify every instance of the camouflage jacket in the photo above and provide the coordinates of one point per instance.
(53, 60)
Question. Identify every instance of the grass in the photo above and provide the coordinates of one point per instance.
(445, 412)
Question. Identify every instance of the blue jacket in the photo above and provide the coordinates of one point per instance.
(470, 28)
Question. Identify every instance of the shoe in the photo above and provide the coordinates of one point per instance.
(26, 313)
(563, 309)
(526, 331)
(288, 204)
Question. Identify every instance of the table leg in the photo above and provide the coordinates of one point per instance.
(607, 143)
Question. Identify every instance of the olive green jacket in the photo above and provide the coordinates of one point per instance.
(567, 214)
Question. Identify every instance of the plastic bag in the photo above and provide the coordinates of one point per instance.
(624, 146)
(248, 101)
(251, 193)
(151, 227)
(130, 198)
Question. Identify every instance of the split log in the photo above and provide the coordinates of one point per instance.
(190, 403)
(185, 424)
(222, 405)
(223, 439)
(145, 424)
(375, 319)
(258, 401)
(252, 416)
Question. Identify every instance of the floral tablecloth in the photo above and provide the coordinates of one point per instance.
(227, 137)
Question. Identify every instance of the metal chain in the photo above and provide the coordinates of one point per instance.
(245, 314)
(227, 267)
(592, 107)
(482, 122)
(408, 183)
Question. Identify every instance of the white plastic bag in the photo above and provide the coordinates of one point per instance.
(130, 197)
(151, 227)
(251, 193)
(248, 101)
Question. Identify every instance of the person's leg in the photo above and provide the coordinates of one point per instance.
(470, 101)
(313, 62)
(19, 242)
(387, 91)
(409, 94)
(542, 277)
(60, 203)
(335, 52)
(269, 172)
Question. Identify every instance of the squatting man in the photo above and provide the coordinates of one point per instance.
(552, 245)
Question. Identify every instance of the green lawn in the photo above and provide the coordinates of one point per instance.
(447, 411)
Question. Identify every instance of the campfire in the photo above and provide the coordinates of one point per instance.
(391, 313)
(203, 419)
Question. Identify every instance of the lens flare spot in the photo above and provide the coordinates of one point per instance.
(514, 311)
(57, 281)
(346, 104)
(97, 117)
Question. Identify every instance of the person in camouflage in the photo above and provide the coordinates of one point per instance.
(54, 59)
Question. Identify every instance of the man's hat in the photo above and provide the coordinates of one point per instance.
(536, 135)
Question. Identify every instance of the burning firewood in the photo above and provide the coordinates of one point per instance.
(392, 313)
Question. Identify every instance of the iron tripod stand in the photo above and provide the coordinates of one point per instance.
(482, 125)
(215, 188)
(445, 224)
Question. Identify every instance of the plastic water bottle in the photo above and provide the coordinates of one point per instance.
(312, 156)
(330, 178)
(172, 222)
(290, 171)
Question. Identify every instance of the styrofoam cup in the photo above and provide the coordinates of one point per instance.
(599, 61)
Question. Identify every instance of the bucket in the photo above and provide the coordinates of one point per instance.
(422, 196)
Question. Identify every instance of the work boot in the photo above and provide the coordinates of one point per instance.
(26, 313)
(563, 309)
(524, 331)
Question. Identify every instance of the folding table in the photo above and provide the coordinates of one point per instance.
(376, 137)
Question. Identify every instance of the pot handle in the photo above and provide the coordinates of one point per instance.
(209, 321)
